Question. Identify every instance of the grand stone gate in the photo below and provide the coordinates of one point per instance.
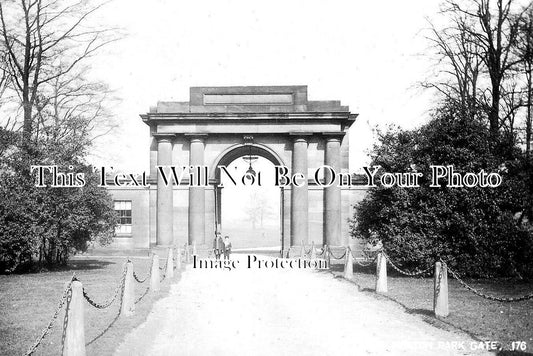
(220, 124)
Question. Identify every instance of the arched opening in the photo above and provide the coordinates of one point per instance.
(249, 210)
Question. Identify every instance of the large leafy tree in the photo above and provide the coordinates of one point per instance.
(479, 231)
(51, 112)
(46, 225)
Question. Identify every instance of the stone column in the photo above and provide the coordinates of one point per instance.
(299, 197)
(218, 208)
(332, 194)
(197, 194)
(165, 206)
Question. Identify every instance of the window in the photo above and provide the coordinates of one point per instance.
(123, 209)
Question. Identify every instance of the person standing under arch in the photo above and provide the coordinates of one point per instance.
(218, 245)
(227, 247)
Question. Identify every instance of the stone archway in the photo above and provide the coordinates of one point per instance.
(231, 154)
(286, 127)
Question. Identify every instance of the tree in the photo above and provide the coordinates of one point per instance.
(258, 208)
(49, 224)
(481, 41)
(525, 53)
(43, 41)
(476, 230)
(459, 64)
(57, 113)
(72, 115)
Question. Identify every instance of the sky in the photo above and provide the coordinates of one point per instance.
(368, 54)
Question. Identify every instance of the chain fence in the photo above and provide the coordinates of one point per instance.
(364, 264)
(48, 327)
(322, 251)
(139, 280)
(488, 296)
(142, 280)
(427, 272)
(119, 290)
(104, 305)
(335, 257)
(418, 273)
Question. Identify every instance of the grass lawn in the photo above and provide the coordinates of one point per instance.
(483, 319)
(28, 302)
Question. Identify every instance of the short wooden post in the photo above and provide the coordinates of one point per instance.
(440, 299)
(74, 342)
(194, 252)
(169, 273)
(154, 275)
(348, 265)
(381, 274)
(128, 295)
(178, 259)
(327, 255)
(313, 252)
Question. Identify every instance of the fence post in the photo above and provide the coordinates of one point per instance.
(313, 252)
(178, 259)
(154, 275)
(194, 252)
(74, 342)
(327, 255)
(440, 297)
(187, 254)
(128, 294)
(170, 264)
(348, 265)
(381, 274)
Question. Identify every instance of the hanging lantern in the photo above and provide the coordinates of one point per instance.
(250, 170)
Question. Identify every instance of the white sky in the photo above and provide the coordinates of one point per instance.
(368, 54)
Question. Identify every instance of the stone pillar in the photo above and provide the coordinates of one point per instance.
(440, 295)
(348, 264)
(165, 205)
(178, 259)
(332, 194)
(74, 343)
(154, 274)
(299, 195)
(169, 272)
(128, 295)
(381, 274)
(218, 208)
(197, 194)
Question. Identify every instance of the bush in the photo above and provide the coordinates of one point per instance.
(48, 224)
(478, 231)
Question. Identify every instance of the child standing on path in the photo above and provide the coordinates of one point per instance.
(227, 247)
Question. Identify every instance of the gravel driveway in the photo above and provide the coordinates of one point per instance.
(281, 312)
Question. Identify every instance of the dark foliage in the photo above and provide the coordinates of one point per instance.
(478, 231)
(42, 226)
